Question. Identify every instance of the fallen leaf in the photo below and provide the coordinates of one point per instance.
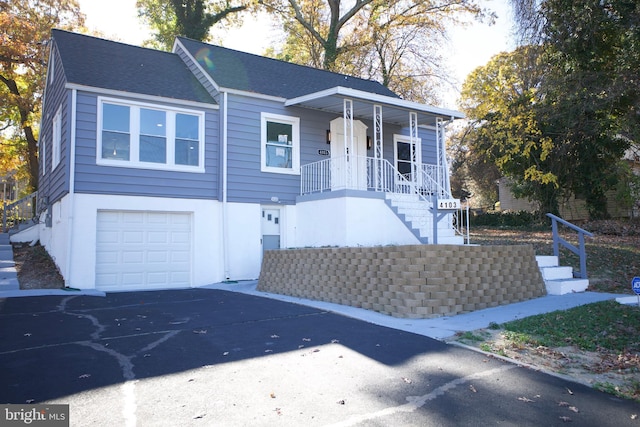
(472, 388)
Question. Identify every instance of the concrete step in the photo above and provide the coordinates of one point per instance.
(556, 273)
(547, 261)
(566, 286)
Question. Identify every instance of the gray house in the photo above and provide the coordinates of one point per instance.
(171, 170)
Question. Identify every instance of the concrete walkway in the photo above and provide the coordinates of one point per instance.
(8, 274)
(440, 327)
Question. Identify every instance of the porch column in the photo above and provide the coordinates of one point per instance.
(413, 140)
(348, 139)
(377, 144)
(443, 176)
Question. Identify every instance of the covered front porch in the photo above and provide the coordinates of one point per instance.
(386, 166)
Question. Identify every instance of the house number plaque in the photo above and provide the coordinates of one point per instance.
(448, 204)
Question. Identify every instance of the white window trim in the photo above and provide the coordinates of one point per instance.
(56, 139)
(134, 140)
(43, 155)
(295, 143)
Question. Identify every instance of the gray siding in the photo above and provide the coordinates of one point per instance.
(248, 184)
(54, 183)
(98, 179)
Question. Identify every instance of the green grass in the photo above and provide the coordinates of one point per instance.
(603, 325)
(612, 260)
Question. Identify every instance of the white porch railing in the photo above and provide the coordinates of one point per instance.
(367, 173)
(370, 174)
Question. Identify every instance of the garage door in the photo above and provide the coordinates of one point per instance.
(143, 250)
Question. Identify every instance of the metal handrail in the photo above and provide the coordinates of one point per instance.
(22, 210)
(557, 241)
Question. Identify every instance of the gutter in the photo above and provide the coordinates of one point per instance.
(72, 184)
(225, 205)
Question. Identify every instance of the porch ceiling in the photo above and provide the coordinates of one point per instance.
(394, 110)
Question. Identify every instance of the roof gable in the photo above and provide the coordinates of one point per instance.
(243, 71)
(105, 64)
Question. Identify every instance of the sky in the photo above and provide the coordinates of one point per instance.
(469, 47)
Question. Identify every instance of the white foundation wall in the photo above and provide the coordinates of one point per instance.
(55, 238)
(207, 260)
(244, 246)
(350, 221)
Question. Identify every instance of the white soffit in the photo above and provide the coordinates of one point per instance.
(394, 110)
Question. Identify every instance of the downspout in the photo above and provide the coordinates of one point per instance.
(225, 213)
(72, 184)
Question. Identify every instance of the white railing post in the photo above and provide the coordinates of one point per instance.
(413, 140)
(348, 139)
(377, 143)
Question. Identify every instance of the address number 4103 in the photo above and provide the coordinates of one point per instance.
(448, 204)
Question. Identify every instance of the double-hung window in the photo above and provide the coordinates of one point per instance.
(148, 136)
(280, 144)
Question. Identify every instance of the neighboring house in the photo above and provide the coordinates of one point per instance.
(574, 208)
(171, 170)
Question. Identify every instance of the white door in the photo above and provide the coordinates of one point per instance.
(357, 177)
(143, 250)
(270, 228)
(404, 149)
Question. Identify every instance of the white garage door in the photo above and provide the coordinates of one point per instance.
(143, 250)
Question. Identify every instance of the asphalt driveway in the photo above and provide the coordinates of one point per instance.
(216, 358)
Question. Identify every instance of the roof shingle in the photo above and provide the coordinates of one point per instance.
(238, 70)
(99, 63)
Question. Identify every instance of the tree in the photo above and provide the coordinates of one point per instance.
(188, 18)
(26, 27)
(592, 90)
(390, 41)
(501, 100)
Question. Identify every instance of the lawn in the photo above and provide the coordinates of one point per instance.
(613, 254)
(596, 344)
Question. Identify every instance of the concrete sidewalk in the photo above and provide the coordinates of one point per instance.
(441, 327)
(8, 274)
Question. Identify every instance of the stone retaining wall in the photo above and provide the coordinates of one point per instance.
(416, 281)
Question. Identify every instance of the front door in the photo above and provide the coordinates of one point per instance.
(270, 228)
(406, 154)
(356, 178)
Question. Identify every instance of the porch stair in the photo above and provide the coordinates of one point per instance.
(417, 216)
(559, 279)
